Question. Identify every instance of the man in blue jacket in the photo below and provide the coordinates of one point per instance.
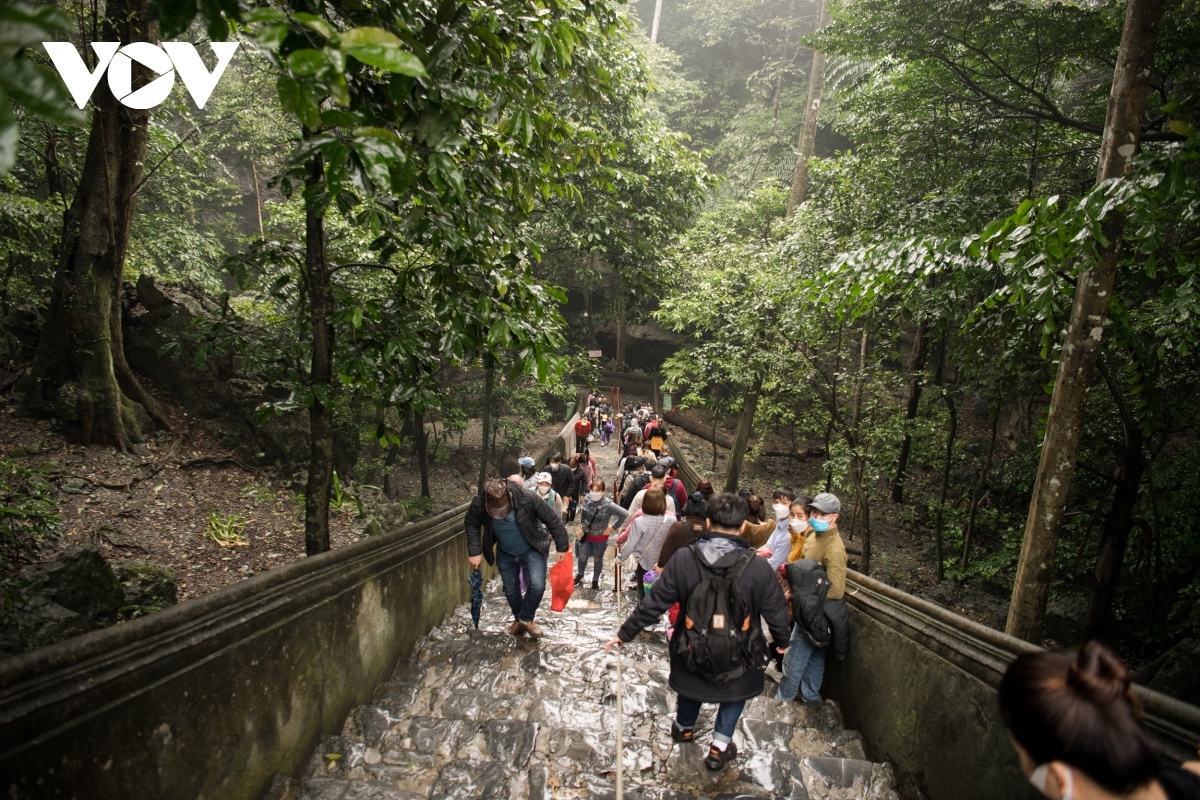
(505, 519)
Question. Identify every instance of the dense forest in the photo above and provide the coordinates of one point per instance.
(949, 243)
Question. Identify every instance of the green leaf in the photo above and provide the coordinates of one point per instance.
(444, 168)
(298, 100)
(306, 61)
(315, 23)
(389, 59)
(378, 149)
(272, 36)
(264, 15)
(361, 37)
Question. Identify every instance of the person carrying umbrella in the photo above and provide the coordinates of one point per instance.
(502, 525)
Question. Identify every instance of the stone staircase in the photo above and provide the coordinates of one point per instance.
(481, 714)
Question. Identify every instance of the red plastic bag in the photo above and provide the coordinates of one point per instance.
(562, 582)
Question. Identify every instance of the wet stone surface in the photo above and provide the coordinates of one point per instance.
(481, 714)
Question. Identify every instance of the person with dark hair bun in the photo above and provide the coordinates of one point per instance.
(1077, 729)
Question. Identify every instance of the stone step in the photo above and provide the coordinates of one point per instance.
(482, 714)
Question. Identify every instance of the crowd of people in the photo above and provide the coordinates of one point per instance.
(723, 566)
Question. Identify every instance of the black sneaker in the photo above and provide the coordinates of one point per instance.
(578, 579)
(678, 734)
(716, 759)
(595, 584)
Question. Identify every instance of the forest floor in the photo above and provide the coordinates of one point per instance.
(160, 505)
(902, 549)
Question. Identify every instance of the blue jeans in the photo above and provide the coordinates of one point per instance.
(727, 717)
(585, 550)
(523, 608)
(803, 669)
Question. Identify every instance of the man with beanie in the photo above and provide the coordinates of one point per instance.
(804, 664)
(504, 519)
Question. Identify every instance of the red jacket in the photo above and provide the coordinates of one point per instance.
(582, 428)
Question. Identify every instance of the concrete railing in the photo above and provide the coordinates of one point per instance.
(687, 473)
(215, 696)
(920, 684)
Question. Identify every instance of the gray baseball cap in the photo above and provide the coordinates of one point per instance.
(827, 503)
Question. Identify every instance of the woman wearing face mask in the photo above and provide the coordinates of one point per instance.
(544, 491)
(799, 528)
(596, 525)
(778, 547)
(1078, 732)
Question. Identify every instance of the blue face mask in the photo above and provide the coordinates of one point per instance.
(818, 525)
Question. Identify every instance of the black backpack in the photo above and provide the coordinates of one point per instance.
(809, 585)
(716, 639)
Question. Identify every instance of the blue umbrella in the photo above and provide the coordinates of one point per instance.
(476, 581)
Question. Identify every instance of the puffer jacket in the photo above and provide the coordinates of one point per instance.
(839, 619)
(529, 510)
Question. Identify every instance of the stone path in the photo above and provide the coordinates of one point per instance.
(481, 714)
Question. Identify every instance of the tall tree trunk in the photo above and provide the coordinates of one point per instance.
(257, 199)
(391, 481)
(489, 385)
(54, 177)
(593, 259)
(320, 415)
(938, 540)
(1114, 535)
(622, 323)
(916, 363)
(858, 462)
(79, 371)
(1093, 289)
(657, 18)
(1114, 540)
(421, 439)
(714, 442)
(978, 490)
(808, 133)
(741, 437)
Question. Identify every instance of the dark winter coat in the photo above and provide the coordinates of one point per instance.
(839, 620)
(580, 477)
(679, 578)
(528, 510)
(562, 479)
(637, 482)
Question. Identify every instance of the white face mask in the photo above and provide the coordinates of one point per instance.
(543, 490)
(1038, 779)
(798, 525)
(595, 497)
(782, 511)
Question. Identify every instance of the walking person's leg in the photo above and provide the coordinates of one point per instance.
(581, 557)
(687, 711)
(814, 673)
(726, 723)
(795, 663)
(535, 565)
(597, 550)
(510, 569)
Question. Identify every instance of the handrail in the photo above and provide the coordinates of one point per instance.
(687, 473)
(217, 694)
(985, 653)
